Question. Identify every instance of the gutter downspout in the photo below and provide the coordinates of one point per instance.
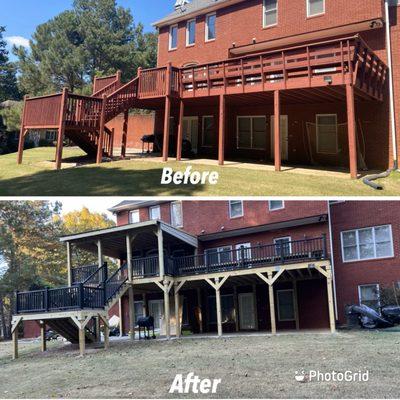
(391, 85)
(332, 259)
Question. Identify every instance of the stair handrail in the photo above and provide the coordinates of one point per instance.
(109, 282)
(103, 266)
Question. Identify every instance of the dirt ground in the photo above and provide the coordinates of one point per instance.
(249, 367)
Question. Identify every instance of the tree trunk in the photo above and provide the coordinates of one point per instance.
(2, 320)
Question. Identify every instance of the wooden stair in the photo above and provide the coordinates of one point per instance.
(68, 329)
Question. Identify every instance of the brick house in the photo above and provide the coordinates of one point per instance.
(231, 266)
(300, 82)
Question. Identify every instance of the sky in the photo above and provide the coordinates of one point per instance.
(21, 17)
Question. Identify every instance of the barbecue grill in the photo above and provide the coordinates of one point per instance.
(147, 323)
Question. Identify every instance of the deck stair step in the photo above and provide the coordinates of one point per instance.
(68, 329)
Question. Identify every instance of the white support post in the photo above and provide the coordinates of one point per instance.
(121, 316)
(218, 304)
(82, 338)
(43, 336)
(160, 242)
(131, 313)
(69, 263)
(99, 253)
(129, 257)
(199, 305)
(271, 304)
(332, 321)
(166, 310)
(177, 314)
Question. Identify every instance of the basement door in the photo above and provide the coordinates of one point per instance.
(246, 311)
(284, 137)
(156, 310)
(191, 131)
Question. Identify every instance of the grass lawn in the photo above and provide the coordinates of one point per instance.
(37, 177)
(249, 367)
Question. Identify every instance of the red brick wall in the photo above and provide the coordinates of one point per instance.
(31, 329)
(138, 125)
(359, 214)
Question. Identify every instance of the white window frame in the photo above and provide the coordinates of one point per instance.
(314, 15)
(358, 259)
(136, 212)
(265, 11)
(207, 27)
(230, 209)
(251, 131)
(336, 133)
(188, 32)
(377, 286)
(171, 212)
(170, 37)
(220, 250)
(284, 237)
(202, 129)
(155, 208)
(275, 209)
(280, 319)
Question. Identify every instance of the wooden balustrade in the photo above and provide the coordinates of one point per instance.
(152, 82)
(102, 82)
(42, 112)
(83, 111)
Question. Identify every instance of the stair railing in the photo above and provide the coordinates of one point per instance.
(114, 283)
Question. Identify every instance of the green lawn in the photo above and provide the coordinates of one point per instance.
(37, 177)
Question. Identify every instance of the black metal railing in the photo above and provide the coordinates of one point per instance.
(115, 282)
(252, 257)
(145, 267)
(99, 276)
(81, 274)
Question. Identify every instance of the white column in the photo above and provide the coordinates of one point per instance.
(218, 304)
(131, 313)
(160, 251)
(129, 256)
(166, 311)
(177, 319)
(272, 305)
(69, 263)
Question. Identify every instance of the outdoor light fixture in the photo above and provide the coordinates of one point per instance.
(254, 40)
(328, 79)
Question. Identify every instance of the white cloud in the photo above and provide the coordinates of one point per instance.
(17, 41)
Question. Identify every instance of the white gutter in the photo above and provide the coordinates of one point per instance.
(391, 86)
(332, 258)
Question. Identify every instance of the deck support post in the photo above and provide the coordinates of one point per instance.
(167, 287)
(221, 135)
(131, 313)
(160, 242)
(332, 320)
(98, 336)
(82, 340)
(129, 257)
(100, 142)
(218, 304)
(180, 131)
(43, 336)
(351, 129)
(99, 254)
(277, 131)
(121, 316)
(177, 316)
(61, 128)
(200, 310)
(124, 134)
(106, 331)
(69, 263)
(22, 134)
(271, 303)
(14, 333)
(167, 113)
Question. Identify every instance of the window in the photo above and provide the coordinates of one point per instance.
(210, 27)
(208, 131)
(235, 208)
(367, 243)
(285, 305)
(327, 141)
(227, 309)
(218, 255)
(276, 205)
(315, 7)
(139, 312)
(134, 217)
(173, 37)
(369, 296)
(251, 133)
(270, 13)
(191, 32)
(155, 213)
(176, 214)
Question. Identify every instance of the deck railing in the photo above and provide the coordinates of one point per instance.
(81, 274)
(42, 111)
(145, 267)
(83, 110)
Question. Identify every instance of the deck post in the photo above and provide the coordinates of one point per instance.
(22, 134)
(121, 316)
(43, 336)
(167, 112)
(351, 129)
(271, 304)
(166, 310)
(218, 304)
(200, 310)
(277, 131)
(99, 254)
(180, 131)
(69, 263)
(177, 316)
(82, 339)
(131, 313)
(129, 257)
(160, 242)
(97, 322)
(100, 142)
(221, 135)
(106, 334)
(61, 128)
(332, 321)
(124, 134)
(14, 332)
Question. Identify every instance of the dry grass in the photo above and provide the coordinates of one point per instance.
(255, 367)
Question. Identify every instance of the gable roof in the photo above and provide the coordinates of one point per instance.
(195, 7)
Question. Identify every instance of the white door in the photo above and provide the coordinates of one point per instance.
(284, 137)
(246, 311)
(246, 255)
(156, 310)
(191, 131)
(283, 246)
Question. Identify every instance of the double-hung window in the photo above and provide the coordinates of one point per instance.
(315, 7)
(251, 133)
(210, 27)
(270, 15)
(191, 32)
(285, 305)
(369, 296)
(173, 37)
(176, 214)
(155, 213)
(327, 136)
(134, 216)
(235, 208)
(218, 255)
(367, 243)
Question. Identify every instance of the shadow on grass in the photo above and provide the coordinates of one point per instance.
(95, 181)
